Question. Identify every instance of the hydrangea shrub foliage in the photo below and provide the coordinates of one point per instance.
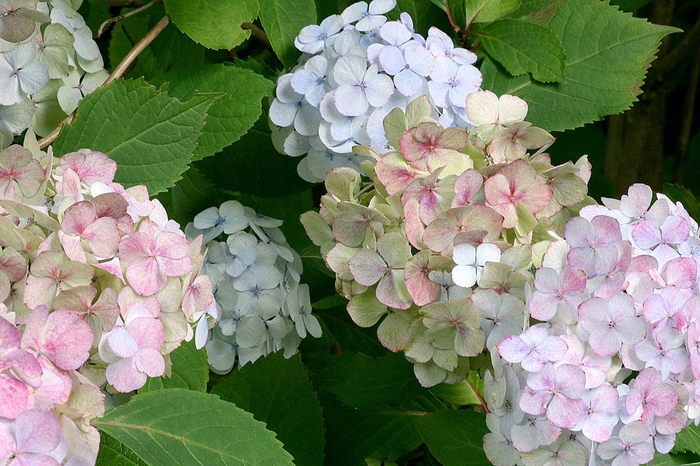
(379, 260)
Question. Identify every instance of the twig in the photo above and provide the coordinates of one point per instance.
(116, 74)
(258, 34)
(138, 48)
(124, 16)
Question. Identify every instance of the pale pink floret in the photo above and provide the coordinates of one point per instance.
(601, 414)
(61, 337)
(609, 323)
(593, 244)
(90, 166)
(30, 439)
(533, 348)
(555, 391)
(555, 292)
(650, 396)
(132, 350)
(80, 223)
(18, 369)
(152, 256)
(631, 447)
(517, 186)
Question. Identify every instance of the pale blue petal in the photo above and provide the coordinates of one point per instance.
(379, 89)
(419, 59)
(395, 33)
(392, 60)
(351, 101)
(349, 70)
(282, 114)
(408, 83)
(354, 12)
(379, 7)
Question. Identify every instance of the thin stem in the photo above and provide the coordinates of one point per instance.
(124, 16)
(116, 74)
(478, 395)
(258, 34)
(138, 48)
(450, 18)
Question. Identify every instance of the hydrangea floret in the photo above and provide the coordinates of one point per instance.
(355, 68)
(260, 305)
(94, 281)
(48, 63)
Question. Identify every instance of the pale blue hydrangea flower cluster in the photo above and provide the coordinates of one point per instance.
(48, 63)
(260, 307)
(355, 69)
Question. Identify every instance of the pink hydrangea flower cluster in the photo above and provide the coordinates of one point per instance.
(260, 306)
(357, 67)
(94, 281)
(438, 245)
(608, 372)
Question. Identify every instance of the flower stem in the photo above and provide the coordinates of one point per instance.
(118, 18)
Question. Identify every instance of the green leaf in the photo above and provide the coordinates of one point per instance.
(278, 392)
(172, 49)
(524, 47)
(360, 381)
(485, 11)
(425, 15)
(252, 165)
(683, 459)
(460, 393)
(607, 54)
(349, 336)
(282, 21)
(455, 435)
(149, 134)
(232, 115)
(190, 370)
(114, 453)
(354, 434)
(183, 427)
(688, 440)
(216, 24)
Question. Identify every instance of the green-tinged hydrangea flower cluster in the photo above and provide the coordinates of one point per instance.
(440, 240)
(48, 63)
(260, 307)
(96, 286)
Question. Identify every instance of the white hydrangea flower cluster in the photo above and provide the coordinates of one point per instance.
(48, 63)
(260, 307)
(355, 69)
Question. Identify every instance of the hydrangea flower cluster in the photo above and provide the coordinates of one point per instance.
(438, 245)
(48, 63)
(95, 284)
(260, 307)
(609, 370)
(355, 69)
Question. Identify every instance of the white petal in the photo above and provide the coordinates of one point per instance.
(350, 100)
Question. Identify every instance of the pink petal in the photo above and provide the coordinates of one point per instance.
(122, 343)
(144, 276)
(37, 431)
(124, 376)
(67, 340)
(150, 361)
